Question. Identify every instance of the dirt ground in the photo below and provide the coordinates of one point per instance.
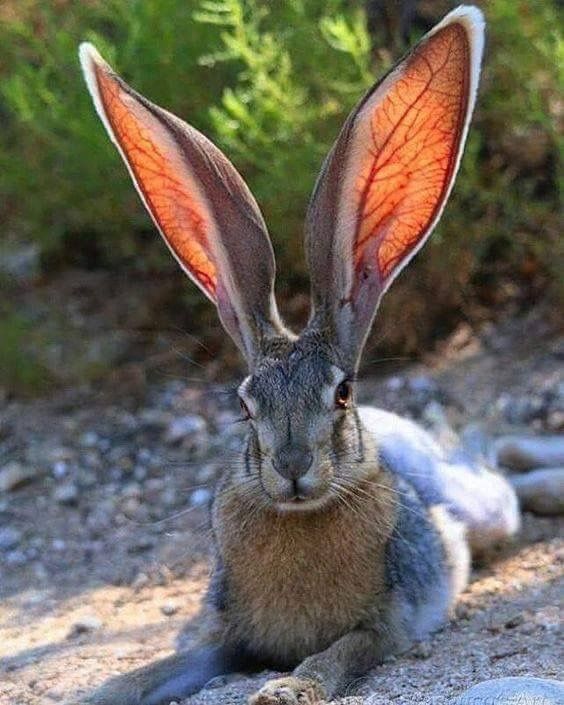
(103, 550)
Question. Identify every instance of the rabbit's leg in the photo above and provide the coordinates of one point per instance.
(482, 499)
(321, 676)
(169, 679)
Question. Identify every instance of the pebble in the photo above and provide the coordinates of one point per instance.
(200, 497)
(422, 390)
(143, 543)
(85, 625)
(183, 426)
(522, 453)
(541, 491)
(66, 494)
(395, 383)
(169, 608)
(9, 538)
(422, 650)
(89, 439)
(14, 475)
(514, 691)
(140, 581)
(523, 410)
(60, 469)
(16, 558)
(207, 473)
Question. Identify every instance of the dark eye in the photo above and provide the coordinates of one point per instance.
(245, 410)
(343, 394)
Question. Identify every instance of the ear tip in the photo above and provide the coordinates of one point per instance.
(89, 57)
(470, 16)
(472, 21)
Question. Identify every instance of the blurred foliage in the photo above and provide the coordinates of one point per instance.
(271, 83)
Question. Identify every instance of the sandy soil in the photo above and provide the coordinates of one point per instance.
(102, 581)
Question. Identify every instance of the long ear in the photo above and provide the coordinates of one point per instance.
(385, 183)
(198, 201)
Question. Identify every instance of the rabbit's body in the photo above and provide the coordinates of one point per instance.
(341, 534)
(391, 554)
(292, 584)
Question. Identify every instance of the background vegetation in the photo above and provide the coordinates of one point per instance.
(270, 83)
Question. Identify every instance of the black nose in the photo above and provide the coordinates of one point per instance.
(292, 461)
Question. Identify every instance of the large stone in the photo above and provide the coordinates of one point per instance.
(521, 453)
(541, 491)
(514, 691)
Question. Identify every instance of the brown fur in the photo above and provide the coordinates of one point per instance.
(297, 581)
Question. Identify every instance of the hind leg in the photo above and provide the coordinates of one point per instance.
(483, 500)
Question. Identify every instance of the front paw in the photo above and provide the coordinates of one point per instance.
(289, 691)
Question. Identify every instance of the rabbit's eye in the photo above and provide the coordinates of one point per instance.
(343, 395)
(245, 410)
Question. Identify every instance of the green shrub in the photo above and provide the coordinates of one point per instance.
(271, 82)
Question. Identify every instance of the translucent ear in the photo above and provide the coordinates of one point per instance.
(385, 183)
(198, 201)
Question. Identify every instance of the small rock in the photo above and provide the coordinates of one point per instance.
(514, 691)
(500, 621)
(521, 453)
(66, 494)
(140, 472)
(555, 421)
(207, 473)
(132, 489)
(421, 390)
(16, 558)
(541, 491)
(154, 418)
(395, 383)
(200, 497)
(9, 538)
(85, 625)
(422, 650)
(140, 581)
(14, 475)
(87, 479)
(523, 410)
(226, 421)
(184, 427)
(143, 543)
(169, 497)
(89, 439)
(515, 620)
(169, 608)
(60, 469)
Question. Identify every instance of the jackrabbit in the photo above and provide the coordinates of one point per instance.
(343, 534)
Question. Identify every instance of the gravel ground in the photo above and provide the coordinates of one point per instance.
(104, 532)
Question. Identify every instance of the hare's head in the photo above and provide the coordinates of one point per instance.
(380, 193)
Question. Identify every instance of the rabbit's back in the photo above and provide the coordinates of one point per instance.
(468, 490)
(448, 503)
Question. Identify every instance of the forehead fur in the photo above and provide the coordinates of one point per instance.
(294, 368)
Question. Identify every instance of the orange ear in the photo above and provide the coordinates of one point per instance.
(385, 184)
(200, 204)
(411, 136)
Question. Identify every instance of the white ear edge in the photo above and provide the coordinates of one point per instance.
(89, 56)
(472, 19)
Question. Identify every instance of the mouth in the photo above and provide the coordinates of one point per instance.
(299, 503)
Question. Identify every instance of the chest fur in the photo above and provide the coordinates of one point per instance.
(297, 582)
